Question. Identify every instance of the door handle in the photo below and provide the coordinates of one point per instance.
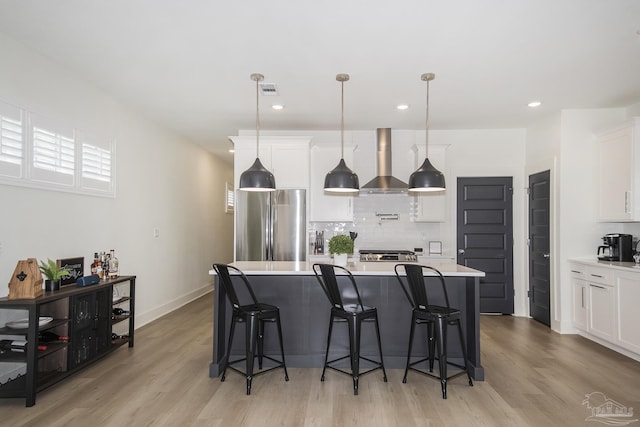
(546, 255)
(461, 251)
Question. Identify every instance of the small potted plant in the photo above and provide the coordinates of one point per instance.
(53, 273)
(340, 246)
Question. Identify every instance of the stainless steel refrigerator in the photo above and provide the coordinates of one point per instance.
(271, 226)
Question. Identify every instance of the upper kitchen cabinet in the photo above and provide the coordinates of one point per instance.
(618, 173)
(431, 207)
(286, 157)
(327, 206)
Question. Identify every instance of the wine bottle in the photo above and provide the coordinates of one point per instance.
(48, 336)
(120, 312)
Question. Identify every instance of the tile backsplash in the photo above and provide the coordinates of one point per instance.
(385, 221)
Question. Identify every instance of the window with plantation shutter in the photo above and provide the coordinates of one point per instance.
(11, 141)
(97, 163)
(230, 198)
(41, 152)
(53, 148)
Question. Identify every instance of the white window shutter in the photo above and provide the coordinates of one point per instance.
(53, 152)
(97, 163)
(12, 131)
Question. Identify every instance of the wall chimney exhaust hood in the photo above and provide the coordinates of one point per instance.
(384, 182)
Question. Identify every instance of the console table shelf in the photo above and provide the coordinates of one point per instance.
(84, 315)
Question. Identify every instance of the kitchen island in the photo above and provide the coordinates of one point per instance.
(304, 310)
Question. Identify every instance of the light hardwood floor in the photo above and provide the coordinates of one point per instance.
(534, 377)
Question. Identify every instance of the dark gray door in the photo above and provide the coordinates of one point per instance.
(539, 254)
(485, 238)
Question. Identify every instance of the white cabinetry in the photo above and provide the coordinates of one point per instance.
(579, 287)
(602, 305)
(328, 207)
(618, 173)
(430, 207)
(605, 304)
(628, 319)
(286, 157)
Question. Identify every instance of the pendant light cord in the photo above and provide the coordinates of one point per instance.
(342, 78)
(257, 78)
(342, 121)
(426, 138)
(427, 77)
(257, 118)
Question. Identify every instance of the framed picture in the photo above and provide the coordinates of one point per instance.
(75, 267)
(435, 248)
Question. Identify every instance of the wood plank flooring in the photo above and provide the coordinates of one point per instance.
(534, 377)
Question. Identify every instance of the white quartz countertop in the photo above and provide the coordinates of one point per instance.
(447, 268)
(615, 265)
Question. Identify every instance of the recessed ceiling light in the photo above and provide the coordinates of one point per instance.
(277, 106)
(402, 107)
(534, 104)
(231, 150)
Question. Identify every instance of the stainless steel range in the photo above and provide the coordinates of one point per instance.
(378, 255)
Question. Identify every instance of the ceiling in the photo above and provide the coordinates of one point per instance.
(186, 64)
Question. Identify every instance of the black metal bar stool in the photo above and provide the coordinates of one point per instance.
(437, 318)
(254, 315)
(354, 315)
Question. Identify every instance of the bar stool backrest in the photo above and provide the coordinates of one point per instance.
(225, 279)
(326, 275)
(417, 286)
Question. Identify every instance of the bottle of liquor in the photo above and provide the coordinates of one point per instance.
(96, 265)
(114, 265)
(105, 265)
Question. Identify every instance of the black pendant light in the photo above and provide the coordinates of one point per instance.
(427, 177)
(342, 179)
(257, 177)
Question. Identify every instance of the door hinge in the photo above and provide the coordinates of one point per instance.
(529, 293)
(528, 190)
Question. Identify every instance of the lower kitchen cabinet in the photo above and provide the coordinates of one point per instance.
(605, 299)
(601, 313)
(627, 299)
(579, 287)
(62, 332)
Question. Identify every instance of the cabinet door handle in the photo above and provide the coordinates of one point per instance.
(596, 286)
(582, 292)
(597, 275)
(576, 271)
(627, 202)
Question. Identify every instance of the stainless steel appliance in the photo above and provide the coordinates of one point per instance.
(378, 255)
(617, 247)
(271, 226)
(384, 182)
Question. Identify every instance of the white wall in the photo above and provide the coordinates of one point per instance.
(162, 181)
(565, 144)
(495, 153)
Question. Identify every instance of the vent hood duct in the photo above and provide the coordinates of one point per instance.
(384, 182)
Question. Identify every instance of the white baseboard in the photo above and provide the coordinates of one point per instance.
(157, 312)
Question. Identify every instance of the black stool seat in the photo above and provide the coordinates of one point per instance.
(437, 318)
(254, 315)
(354, 315)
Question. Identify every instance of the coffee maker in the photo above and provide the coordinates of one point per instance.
(617, 247)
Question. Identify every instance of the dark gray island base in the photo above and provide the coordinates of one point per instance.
(304, 310)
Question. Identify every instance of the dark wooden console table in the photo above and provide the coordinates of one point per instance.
(85, 315)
